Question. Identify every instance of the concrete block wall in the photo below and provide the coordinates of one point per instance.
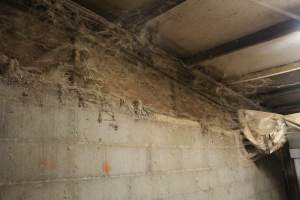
(55, 151)
(54, 147)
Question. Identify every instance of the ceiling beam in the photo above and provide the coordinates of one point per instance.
(105, 12)
(274, 71)
(281, 97)
(285, 110)
(264, 35)
(135, 18)
(142, 15)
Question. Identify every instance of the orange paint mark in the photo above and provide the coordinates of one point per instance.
(106, 168)
(48, 164)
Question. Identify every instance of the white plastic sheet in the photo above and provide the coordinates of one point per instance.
(266, 131)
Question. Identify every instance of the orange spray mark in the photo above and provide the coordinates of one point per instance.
(48, 164)
(106, 168)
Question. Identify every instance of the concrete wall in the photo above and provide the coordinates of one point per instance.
(80, 120)
(51, 150)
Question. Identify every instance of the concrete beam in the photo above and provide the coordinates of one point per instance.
(274, 71)
(142, 15)
(264, 35)
(133, 18)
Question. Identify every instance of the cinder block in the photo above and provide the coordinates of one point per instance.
(57, 161)
(205, 180)
(45, 191)
(78, 160)
(246, 189)
(266, 195)
(89, 128)
(34, 162)
(88, 159)
(13, 116)
(181, 136)
(19, 162)
(195, 158)
(130, 131)
(182, 183)
(121, 129)
(217, 158)
(220, 192)
(90, 189)
(226, 176)
(30, 121)
(248, 173)
(164, 159)
(127, 160)
(117, 188)
(175, 196)
(142, 188)
(2, 116)
(64, 122)
(160, 186)
(222, 140)
(36, 123)
(11, 91)
(201, 139)
(165, 134)
(200, 195)
(160, 134)
(223, 157)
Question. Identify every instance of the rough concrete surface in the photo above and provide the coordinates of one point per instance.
(51, 150)
(196, 26)
(80, 120)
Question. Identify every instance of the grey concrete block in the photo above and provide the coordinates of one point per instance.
(12, 119)
(205, 180)
(182, 183)
(247, 173)
(243, 189)
(222, 140)
(200, 195)
(30, 121)
(127, 160)
(88, 160)
(223, 157)
(89, 128)
(50, 161)
(20, 162)
(164, 159)
(118, 130)
(181, 136)
(226, 176)
(45, 191)
(142, 188)
(117, 188)
(2, 116)
(91, 189)
(266, 195)
(201, 139)
(195, 158)
(160, 186)
(221, 192)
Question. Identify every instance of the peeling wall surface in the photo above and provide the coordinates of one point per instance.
(81, 119)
